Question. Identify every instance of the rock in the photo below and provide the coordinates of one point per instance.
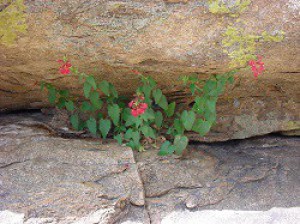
(110, 38)
(255, 174)
(7, 217)
(275, 215)
(291, 133)
(65, 179)
(48, 179)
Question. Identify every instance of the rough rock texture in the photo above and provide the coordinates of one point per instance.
(248, 175)
(164, 39)
(48, 179)
(65, 179)
(274, 216)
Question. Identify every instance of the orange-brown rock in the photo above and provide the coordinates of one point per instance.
(164, 39)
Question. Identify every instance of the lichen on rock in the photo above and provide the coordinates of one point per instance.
(12, 20)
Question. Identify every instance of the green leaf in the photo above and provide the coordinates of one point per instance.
(132, 145)
(86, 106)
(157, 94)
(64, 93)
(126, 113)
(158, 119)
(231, 79)
(81, 125)
(113, 90)
(99, 116)
(210, 116)
(148, 115)
(170, 131)
(131, 120)
(136, 138)
(152, 82)
(92, 82)
(70, 106)
(193, 88)
(184, 79)
(61, 103)
(163, 103)
(178, 126)
(209, 86)
(74, 70)
(147, 91)
(180, 143)
(171, 109)
(187, 119)
(52, 95)
(43, 86)
(104, 86)
(221, 85)
(166, 149)
(121, 128)
(201, 127)
(74, 119)
(104, 127)
(128, 134)
(92, 125)
(87, 89)
(211, 105)
(95, 100)
(118, 138)
(198, 106)
(114, 112)
(148, 132)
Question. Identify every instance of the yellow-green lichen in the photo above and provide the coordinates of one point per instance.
(242, 47)
(293, 125)
(224, 7)
(12, 20)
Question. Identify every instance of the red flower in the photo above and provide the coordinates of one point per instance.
(136, 72)
(137, 108)
(65, 67)
(257, 67)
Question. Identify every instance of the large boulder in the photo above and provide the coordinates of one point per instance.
(49, 179)
(164, 39)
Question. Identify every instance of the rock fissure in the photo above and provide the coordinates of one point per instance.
(14, 163)
(166, 192)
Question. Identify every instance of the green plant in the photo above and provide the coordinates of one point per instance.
(202, 116)
(139, 122)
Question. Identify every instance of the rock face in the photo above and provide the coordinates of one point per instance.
(48, 179)
(65, 180)
(164, 39)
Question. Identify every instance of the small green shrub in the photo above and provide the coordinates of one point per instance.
(139, 121)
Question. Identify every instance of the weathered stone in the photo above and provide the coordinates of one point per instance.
(275, 215)
(45, 176)
(48, 179)
(164, 39)
(249, 175)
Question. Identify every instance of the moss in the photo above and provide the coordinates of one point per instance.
(12, 20)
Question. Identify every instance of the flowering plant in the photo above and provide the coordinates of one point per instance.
(257, 66)
(137, 106)
(64, 69)
(140, 121)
